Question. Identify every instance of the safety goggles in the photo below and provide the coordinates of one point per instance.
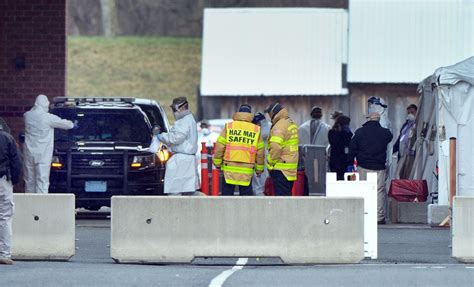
(177, 107)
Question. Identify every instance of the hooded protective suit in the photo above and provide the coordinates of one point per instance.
(181, 173)
(314, 132)
(39, 143)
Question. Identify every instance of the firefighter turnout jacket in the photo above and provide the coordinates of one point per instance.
(283, 145)
(240, 149)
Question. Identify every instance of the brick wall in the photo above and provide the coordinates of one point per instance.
(33, 30)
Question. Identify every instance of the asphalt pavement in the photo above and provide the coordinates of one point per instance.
(408, 256)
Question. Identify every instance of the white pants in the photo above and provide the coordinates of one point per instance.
(6, 213)
(36, 176)
(381, 193)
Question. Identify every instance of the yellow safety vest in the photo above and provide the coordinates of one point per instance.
(241, 142)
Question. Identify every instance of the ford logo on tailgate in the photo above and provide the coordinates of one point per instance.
(96, 163)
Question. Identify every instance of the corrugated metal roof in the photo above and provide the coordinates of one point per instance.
(273, 51)
(403, 41)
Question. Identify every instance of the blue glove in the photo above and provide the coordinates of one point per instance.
(76, 124)
(156, 130)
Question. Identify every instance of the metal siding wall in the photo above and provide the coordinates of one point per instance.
(401, 41)
(398, 97)
(273, 52)
(299, 107)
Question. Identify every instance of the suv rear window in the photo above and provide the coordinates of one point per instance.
(110, 125)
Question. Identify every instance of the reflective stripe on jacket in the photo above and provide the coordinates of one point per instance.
(240, 149)
(283, 145)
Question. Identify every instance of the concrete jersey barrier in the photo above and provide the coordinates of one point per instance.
(43, 226)
(463, 228)
(299, 230)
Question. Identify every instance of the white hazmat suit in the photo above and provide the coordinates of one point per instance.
(39, 144)
(320, 133)
(181, 173)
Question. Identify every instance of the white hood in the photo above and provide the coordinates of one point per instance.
(42, 103)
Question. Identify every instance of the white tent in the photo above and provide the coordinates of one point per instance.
(447, 110)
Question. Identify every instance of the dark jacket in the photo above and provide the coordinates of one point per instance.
(10, 159)
(339, 141)
(396, 146)
(369, 146)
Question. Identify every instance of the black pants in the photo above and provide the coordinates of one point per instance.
(228, 189)
(340, 172)
(282, 186)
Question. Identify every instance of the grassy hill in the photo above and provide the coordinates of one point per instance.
(151, 67)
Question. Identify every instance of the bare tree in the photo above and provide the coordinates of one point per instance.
(161, 17)
(109, 17)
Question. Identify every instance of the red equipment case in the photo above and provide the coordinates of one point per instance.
(406, 190)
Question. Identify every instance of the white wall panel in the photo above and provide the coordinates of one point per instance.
(402, 41)
(273, 51)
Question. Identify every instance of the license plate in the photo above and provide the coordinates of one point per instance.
(96, 186)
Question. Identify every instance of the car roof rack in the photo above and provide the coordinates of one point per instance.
(76, 101)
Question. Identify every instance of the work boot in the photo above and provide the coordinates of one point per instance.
(381, 222)
(6, 261)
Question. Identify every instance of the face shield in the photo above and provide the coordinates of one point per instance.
(177, 107)
(376, 105)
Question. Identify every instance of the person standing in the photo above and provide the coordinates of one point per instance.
(39, 144)
(240, 150)
(314, 131)
(402, 144)
(10, 174)
(258, 181)
(339, 138)
(207, 136)
(282, 158)
(369, 147)
(181, 177)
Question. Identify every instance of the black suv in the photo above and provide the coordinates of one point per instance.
(107, 152)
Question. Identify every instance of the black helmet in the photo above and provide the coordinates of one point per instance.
(273, 109)
(258, 117)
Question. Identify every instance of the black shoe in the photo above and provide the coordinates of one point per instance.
(380, 222)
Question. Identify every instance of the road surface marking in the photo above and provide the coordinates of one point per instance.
(438, 267)
(219, 280)
(469, 267)
(420, 267)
